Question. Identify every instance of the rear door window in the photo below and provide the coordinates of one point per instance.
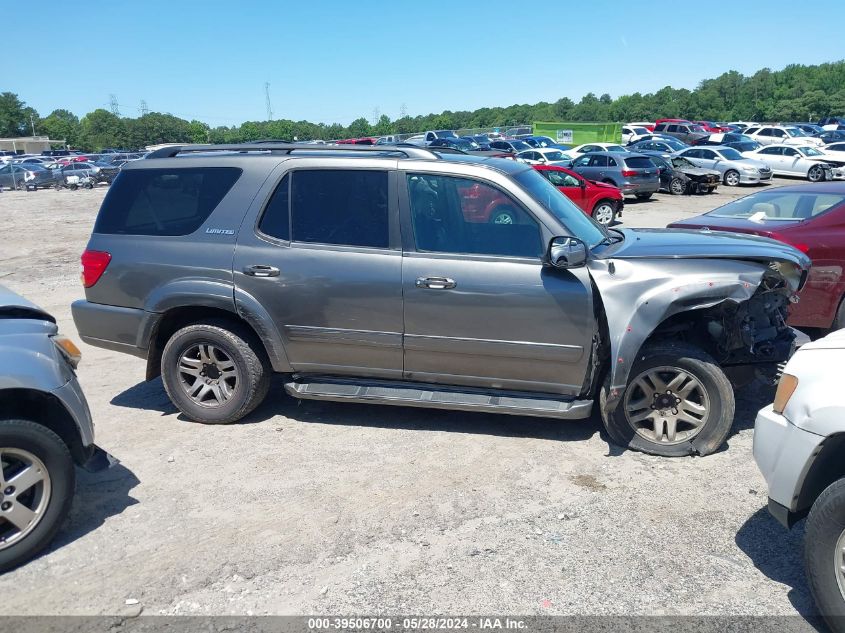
(345, 207)
(163, 201)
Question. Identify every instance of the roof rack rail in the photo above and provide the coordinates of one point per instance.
(281, 147)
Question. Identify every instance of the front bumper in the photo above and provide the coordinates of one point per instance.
(71, 396)
(783, 453)
(753, 179)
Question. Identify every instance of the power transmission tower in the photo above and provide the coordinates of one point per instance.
(115, 109)
(403, 111)
(144, 109)
(376, 115)
(267, 100)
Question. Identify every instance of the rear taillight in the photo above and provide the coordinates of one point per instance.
(94, 264)
(627, 173)
(804, 248)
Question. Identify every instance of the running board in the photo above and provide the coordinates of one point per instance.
(429, 396)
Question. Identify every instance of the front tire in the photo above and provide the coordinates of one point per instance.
(37, 489)
(677, 187)
(677, 402)
(215, 372)
(816, 174)
(731, 178)
(604, 212)
(824, 558)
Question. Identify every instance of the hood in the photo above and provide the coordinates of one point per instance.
(596, 183)
(834, 340)
(704, 244)
(698, 171)
(14, 306)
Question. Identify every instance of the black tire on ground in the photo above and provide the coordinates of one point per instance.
(815, 174)
(643, 196)
(241, 346)
(677, 187)
(503, 215)
(731, 178)
(716, 422)
(53, 453)
(825, 524)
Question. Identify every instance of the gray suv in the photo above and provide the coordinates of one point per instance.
(686, 132)
(377, 274)
(45, 429)
(635, 174)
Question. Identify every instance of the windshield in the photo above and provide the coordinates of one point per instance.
(576, 222)
(554, 155)
(520, 145)
(810, 151)
(681, 162)
(543, 141)
(615, 148)
(749, 146)
(696, 128)
(445, 134)
(640, 130)
(774, 206)
(462, 144)
(730, 154)
(794, 131)
(673, 143)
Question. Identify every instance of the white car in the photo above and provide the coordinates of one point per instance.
(586, 148)
(835, 151)
(807, 162)
(799, 446)
(735, 168)
(633, 133)
(543, 156)
(787, 135)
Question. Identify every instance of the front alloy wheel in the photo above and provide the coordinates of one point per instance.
(816, 174)
(603, 213)
(24, 494)
(677, 187)
(732, 178)
(666, 405)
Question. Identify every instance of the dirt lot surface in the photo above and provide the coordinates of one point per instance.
(343, 508)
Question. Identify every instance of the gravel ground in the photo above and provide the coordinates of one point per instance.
(333, 508)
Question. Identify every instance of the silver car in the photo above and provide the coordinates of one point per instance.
(45, 429)
(735, 168)
(635, 174)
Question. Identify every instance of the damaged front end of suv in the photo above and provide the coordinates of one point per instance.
(724, 294)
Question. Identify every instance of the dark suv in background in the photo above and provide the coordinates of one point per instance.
(689, 133)
(365, 275)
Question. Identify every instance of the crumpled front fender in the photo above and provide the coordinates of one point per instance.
(638, 295)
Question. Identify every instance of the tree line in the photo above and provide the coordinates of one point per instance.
(796, 93)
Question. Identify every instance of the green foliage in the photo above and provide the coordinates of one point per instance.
(795, 93)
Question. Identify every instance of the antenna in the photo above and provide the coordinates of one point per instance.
(403, 111)
(115, 109)
(144, 109)
(267, 100)
(376, 115)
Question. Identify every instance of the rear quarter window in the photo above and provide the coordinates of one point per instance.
(163, 201)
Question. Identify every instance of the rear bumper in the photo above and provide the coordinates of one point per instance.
(631, 188)
(115, 328)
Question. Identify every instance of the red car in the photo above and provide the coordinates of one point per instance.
(357, 141)
(601, 201)
(712, 128)
(812, 219)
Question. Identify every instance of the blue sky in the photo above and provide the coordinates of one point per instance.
(336, 60)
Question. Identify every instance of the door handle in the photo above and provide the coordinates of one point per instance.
(261, 270)
(436, 283)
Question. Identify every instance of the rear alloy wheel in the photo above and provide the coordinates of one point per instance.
(677, 187)
(604, 213)
(732, 178)
(677, 402)
(816, 174)
(503, 215)
(215, 373)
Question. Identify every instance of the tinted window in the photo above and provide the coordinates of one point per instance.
(340, 207)
(611, 162)
(788, 151)
(276, 219)
(778, 133)
(639, 162)
(766, 131)
(659, 127)
(582, 162)
(458, 215)
(163, 201)
(771, 150)
(706, 153)
(672, 128)
(598, 161)
(693, 153)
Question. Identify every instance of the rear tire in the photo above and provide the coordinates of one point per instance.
(215, 372)
(643, 196)
(19, 439)
(706, 408)
(731, 178)
(823, 537)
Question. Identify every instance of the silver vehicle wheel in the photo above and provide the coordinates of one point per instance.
(24, 494)
(839, 563)
(667, 405)
(603, 214)
(676, 187)
(815, 174)
(732, 178)
(208, 375)
(503, 216)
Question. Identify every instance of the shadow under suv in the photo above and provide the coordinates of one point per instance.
(363, 275)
